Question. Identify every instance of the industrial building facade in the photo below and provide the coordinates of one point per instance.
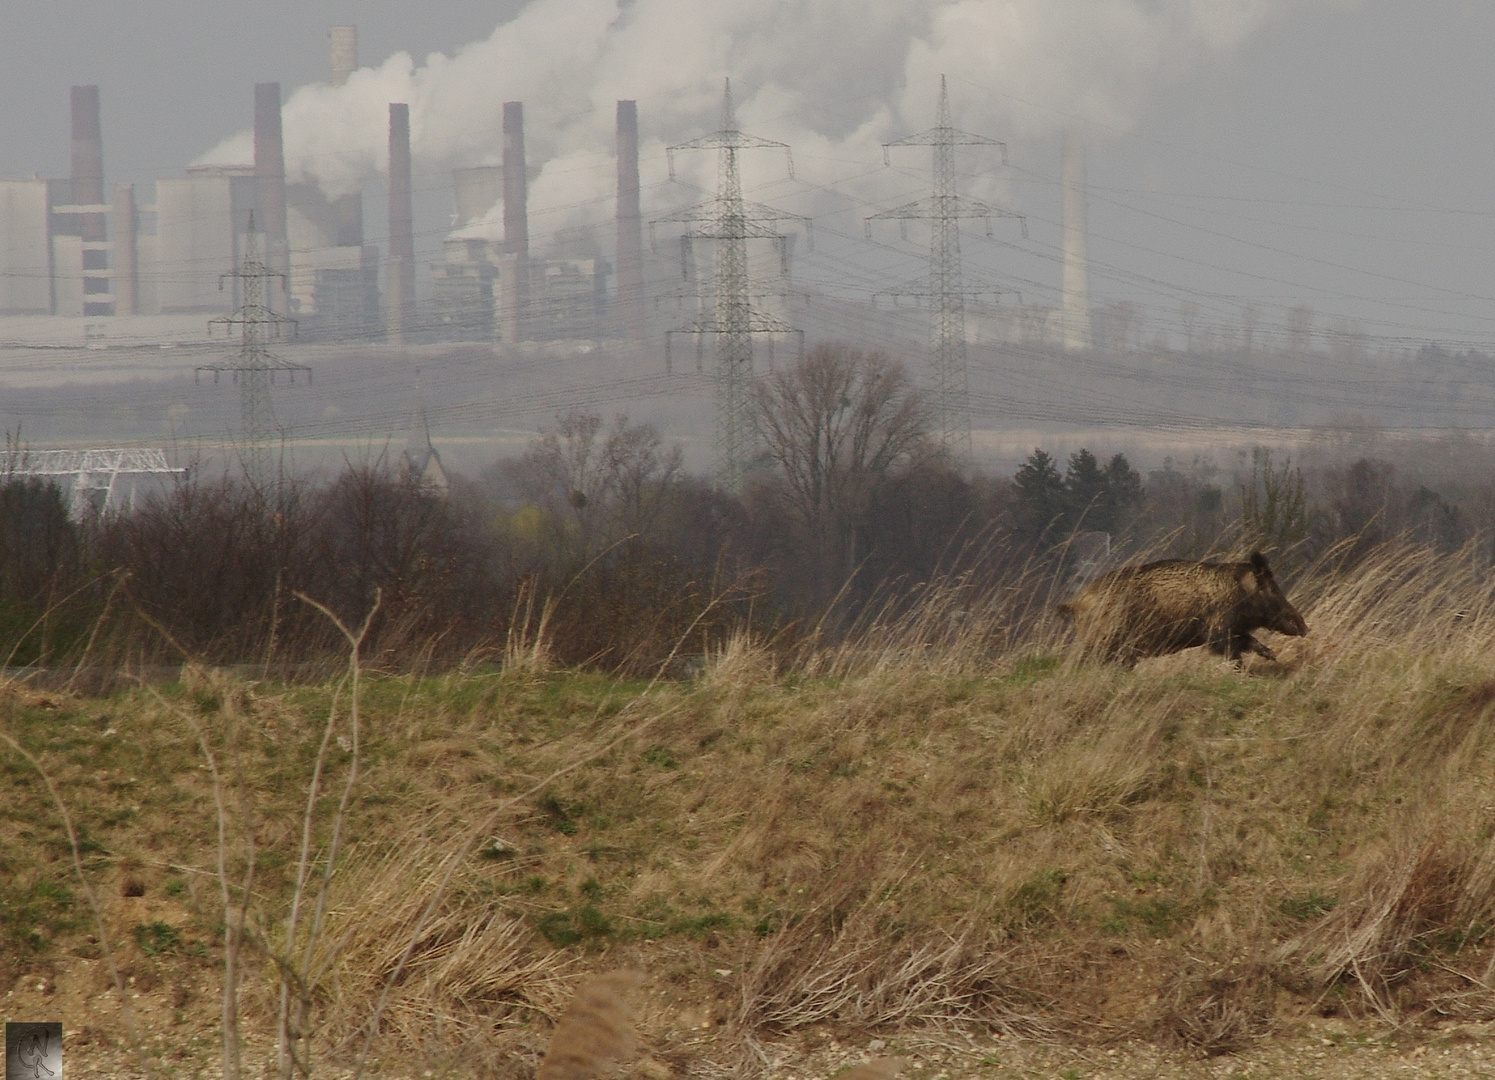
(65, 252)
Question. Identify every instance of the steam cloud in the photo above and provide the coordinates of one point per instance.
(831, 77)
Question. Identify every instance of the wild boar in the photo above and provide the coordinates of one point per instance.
(1162, 607)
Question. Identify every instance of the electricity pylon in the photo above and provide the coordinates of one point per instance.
(944, 211)
(731, 222)
(255, 367)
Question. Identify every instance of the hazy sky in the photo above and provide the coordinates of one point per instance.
(1267, 152)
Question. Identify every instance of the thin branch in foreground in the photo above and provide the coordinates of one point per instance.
(293, 1018)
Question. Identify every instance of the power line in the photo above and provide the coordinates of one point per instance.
(255, 367)
(731, 223)
(944, 210)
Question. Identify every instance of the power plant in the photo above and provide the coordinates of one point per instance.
(65, 251)
(81, 266)
(494, 290)
(630, 228)
(70, 248)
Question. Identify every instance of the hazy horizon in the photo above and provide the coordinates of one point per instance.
(1243, 154)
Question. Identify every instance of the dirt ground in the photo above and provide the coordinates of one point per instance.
(1315, 1050)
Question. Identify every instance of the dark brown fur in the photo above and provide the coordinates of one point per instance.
(1163, 607)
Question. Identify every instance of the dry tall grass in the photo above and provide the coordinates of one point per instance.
(469, 981)
(941, 821)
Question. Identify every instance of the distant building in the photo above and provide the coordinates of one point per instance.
(64, 251)
(196, 239)
(464, 288)
(473, 294)
(572, 298)
(26, 251)
(334, 275)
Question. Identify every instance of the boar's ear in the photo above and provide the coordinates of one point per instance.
(1259, 564)
(1248, 578)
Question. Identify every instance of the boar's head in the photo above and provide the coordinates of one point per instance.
(1265, 605)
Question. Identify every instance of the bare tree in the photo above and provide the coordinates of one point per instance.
(835, 426)
(596, 485)
(641, 472)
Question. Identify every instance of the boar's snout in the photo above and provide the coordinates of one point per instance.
(1289, 622)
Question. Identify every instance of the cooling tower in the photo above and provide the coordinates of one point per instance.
(1076, 312)
(126, 259)
(478, 190)
(343, 52)
(630, 305)
(401, 313)
(516, 222)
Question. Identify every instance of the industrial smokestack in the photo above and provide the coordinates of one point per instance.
(630, 227)
(516, 185)
(343, 52)
(88, 155)
(516, 220)
(126, 277)
(270, 186)
(1076, 313)
(87, 182)
(401, 226)
(269, 161)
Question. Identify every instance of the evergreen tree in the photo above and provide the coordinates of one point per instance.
(1041, 498)
(1087, 493)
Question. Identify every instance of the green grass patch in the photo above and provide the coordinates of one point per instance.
(34, 915)
(1034, 903)
(1154, 916)
(1309, 905)
(157, 938)
(574, 925)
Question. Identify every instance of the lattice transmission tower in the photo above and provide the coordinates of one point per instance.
(731, 222)
(943, 287)
(255, 368)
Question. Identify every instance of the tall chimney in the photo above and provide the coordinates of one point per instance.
(88, 157)
(401, 226)
(516, 216)
(343, 52)
(270, 182)
(88, 189)
(1076, 312)
(347, 209)
(126, 277)
(630, 227)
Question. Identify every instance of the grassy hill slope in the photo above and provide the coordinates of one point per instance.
(870, 843)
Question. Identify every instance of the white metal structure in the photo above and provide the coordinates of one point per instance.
(90, 471)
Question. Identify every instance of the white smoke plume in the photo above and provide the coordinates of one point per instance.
(831, 77)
